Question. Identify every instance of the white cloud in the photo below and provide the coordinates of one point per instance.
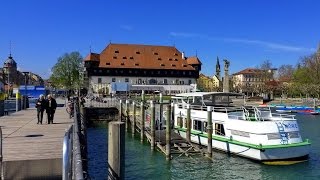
(266, 44)
(126, 27)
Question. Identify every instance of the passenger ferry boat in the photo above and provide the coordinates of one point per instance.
(248, 131)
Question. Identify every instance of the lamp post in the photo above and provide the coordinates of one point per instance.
(25, 87)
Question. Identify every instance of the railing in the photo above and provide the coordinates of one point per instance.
(72, 156)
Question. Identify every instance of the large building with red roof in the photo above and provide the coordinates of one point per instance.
(143, 67)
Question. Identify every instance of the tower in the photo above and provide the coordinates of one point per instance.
(226, 76)
(218, 68)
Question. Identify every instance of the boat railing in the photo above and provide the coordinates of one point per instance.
(284, 116)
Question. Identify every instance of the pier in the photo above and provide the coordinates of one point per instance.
(32, 151)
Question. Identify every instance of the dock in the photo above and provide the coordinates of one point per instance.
(31, 150)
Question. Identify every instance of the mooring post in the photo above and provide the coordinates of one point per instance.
(127, 115)
(133, 124)
(120, 110)
(161, 112)
(188, 123)
(209, 131)
(152, 125)
(168, 133)
(116, 150)
(142, 115)
(172, 115)
(17, 101)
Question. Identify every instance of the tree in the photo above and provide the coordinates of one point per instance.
(66, 72)
(285, 72)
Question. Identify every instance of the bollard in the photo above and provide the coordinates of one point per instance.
(116, 150)
(209, 131)
(142, 115)
(152, 125)
(168, 133)
(17, 101)
(188, 123)
(133, 124)
(143, 96)
(127, 115)
(120, 110)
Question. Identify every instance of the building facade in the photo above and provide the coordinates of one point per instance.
(143, 67)
(252, 81)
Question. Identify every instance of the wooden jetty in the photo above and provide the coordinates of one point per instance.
(32, 151)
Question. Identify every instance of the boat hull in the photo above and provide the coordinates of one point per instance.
(258, 154)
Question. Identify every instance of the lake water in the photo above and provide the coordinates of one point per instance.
(141, 163)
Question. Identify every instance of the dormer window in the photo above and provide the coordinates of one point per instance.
(136, 64)
(114, 57)
(170, 59)
(173, 65)
(116, 51)
(176, 59)
(155, 53)
(124, 57)
(176, 54)
(184, 65)
(161, 64)
(122, 64)
(131, 57)
(108, 64)
(137, 52)
(159, 59)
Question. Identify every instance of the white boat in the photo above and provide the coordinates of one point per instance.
(252, 132)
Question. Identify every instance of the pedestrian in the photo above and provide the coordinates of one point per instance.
(51, 106)
(41, 106)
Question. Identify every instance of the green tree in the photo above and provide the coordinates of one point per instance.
(66, 72)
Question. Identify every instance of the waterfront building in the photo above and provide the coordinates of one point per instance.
(13, 78)
(206, 83)
(141, 67)
(253, 81)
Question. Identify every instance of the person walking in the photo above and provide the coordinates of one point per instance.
(51, 108)
(41, 106)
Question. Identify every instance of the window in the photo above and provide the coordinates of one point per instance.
(182, 82)
(116, 51)
(130, 72)
(162, 64)
(170, 59)
(136, 64)
(155, 53)
(108, 71)
(184, 73)
(113, 79)
(131, 57)
(137, 52)
(144, 72)
(159, 59)
(197, 125)
(114, 57)
(139, 81)
(176, 59)
(176, 54)
(124, 57)
(99, 80)
(159, 72)
(173, 65)
(165, 81)
(126, 80)
(121, 71)
(219, 129)
(122, 64)
(100, 71)
(108, 64)
(95, 70)
(184, 65)
(179, 122)
(190, 72)
(190, 82)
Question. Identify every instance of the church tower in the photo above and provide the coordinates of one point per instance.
(218, 69)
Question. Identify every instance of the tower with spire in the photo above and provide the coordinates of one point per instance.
(218, 68)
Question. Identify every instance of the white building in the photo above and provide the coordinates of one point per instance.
(143, 67)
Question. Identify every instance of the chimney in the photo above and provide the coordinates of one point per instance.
(182, 55)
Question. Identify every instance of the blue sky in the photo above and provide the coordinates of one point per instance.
(245, 32)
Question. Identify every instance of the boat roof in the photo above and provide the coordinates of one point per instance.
(201, 94)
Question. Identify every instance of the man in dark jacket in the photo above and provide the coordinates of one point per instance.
(51, 108)
(41, 106)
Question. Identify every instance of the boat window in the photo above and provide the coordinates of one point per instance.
(197, 125)
(219, 129)
(205, 124)
(180, 122)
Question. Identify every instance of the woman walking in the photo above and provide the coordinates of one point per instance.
(41, 106)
